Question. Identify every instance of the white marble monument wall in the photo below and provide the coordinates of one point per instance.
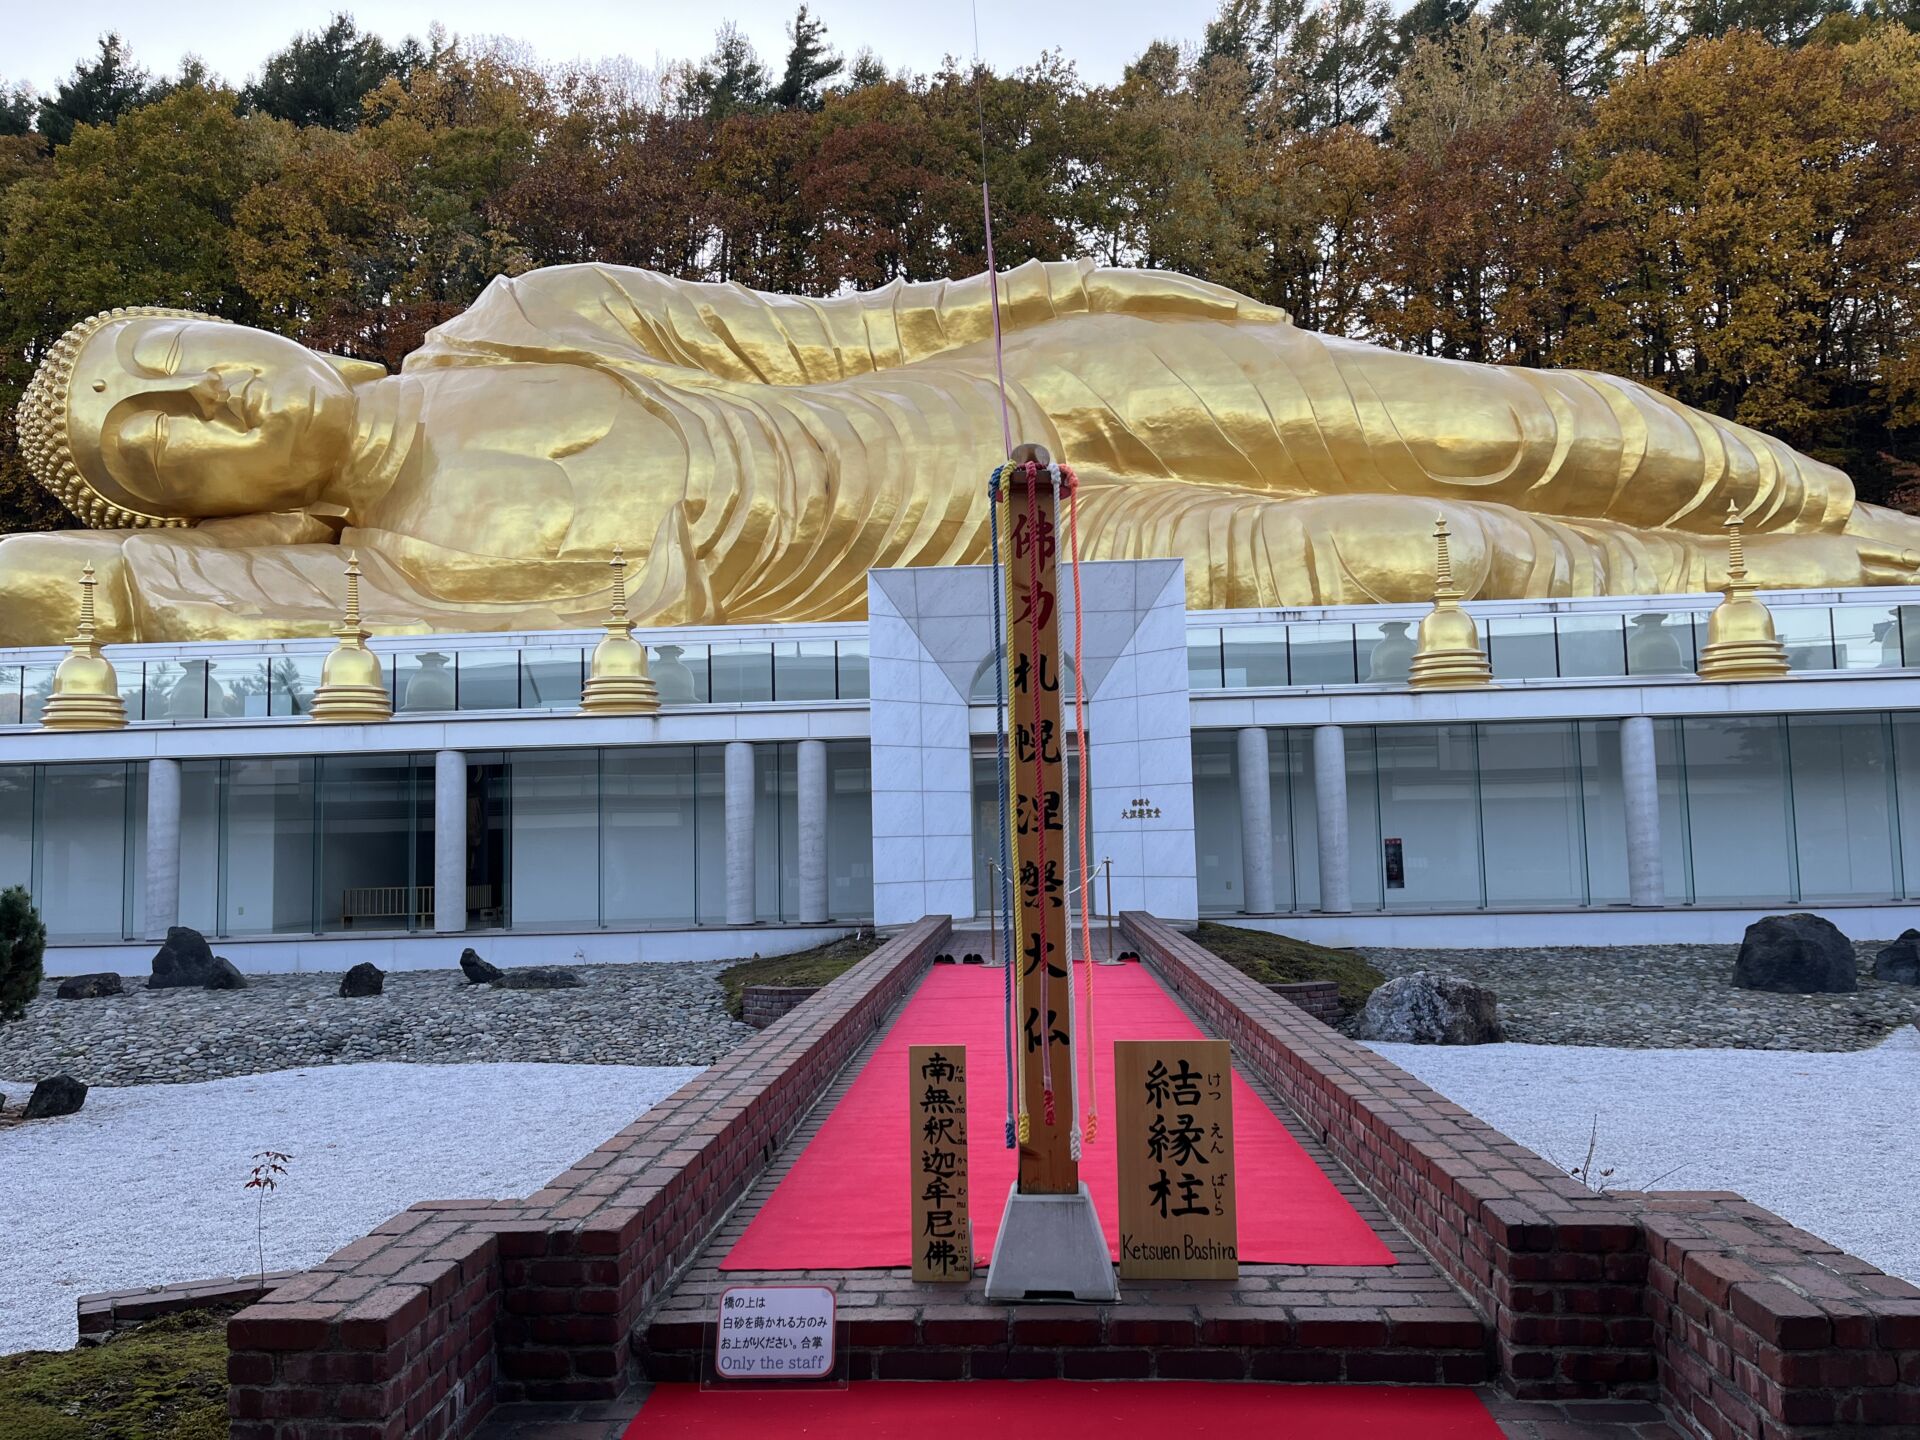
(929, 634)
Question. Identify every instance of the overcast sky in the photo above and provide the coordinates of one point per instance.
(39, 43)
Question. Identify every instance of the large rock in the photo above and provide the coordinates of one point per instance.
(1900, 961)
(366, 978)
(478, 971)
(1429, 1008)
(57, 1095)
(183, 962)
(90, 987)
(1795, 955)
(539, 977)
(225, 975)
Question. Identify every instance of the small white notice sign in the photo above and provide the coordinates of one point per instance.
(775, 1332)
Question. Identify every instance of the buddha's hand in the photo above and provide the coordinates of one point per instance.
(40, 586)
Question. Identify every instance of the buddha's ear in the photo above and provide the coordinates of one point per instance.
(355, 372)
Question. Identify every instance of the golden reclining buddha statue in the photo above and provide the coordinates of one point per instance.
(758, 453)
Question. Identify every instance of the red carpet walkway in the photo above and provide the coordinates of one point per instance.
(1068, 1410)
(843, 1206)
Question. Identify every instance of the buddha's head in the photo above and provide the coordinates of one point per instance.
(155, 417)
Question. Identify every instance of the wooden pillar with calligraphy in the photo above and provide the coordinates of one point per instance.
(1178, 1216)
(937, 1111)
(1036, 751)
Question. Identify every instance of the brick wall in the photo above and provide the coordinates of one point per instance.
(105, 1315)
(413, 1332)
(1752, 1329)
(1319, 998)
(761, 1005)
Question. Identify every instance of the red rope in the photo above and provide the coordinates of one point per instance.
(1080, 736)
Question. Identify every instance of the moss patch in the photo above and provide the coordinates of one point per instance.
(165, 1380)
(1283, 960)
(804, 967)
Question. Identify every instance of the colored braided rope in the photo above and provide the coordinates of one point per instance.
(1035, 686)
(1080, 738)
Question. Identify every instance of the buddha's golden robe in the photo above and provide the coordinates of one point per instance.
(759, 453)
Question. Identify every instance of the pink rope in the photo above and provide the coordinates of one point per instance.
(1039, 787)
(1080, 736)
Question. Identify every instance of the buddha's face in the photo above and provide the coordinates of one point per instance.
(197, 419)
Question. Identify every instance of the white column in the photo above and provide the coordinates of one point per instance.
(741, 906)
(1256, 822)
(810, 765)
(1330, 800)
(163, 847)
(450, 842)
(1640, 784)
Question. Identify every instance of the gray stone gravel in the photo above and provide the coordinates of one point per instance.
(645, 1014)
(1663, 997)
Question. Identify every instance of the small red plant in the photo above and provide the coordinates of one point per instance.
(268, 1167)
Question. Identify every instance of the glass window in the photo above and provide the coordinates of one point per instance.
(742, 673)
(1280, 804)
(1592, 644)
(1807, 632)
(487, 679)
(550, 679)
(1364, 862)
(201, 838)
(1305, 845)
(1429, 822)
(1530, 814)
(10, 695)
(1866, 637)
(1604, 811)
(1676, 851)
(853, 673)
(1738, 808)
(37, 684)
(1910, 635)
(82, 834)
(1216, 819)
(376, 842)
(1254, 655)
(267, 854)
(1386, 650)
(849, 830)
(175, 690)
(1521, 647)
(776, 833)
(245, 683)
(1660, 642)
(1843, 822)
(424, 681)
(16, 826)
(1321, 654)
(132, 686)
(679, 673)
(710, 801)
(554, 838)
(1906, 754)
(295, 678)
(803, 670)
(649, 851)
(1203, 658)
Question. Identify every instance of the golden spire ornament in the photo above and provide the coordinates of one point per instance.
(86, 691)
(1741, 643)
(618, 683)
(352, 687)
(1448, 656)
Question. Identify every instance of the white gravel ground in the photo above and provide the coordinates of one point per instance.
(146, 1184)
(1825, 1140)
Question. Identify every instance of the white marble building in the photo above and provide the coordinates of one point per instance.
(1267, 766)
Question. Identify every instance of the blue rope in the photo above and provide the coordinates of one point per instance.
(1000, 766)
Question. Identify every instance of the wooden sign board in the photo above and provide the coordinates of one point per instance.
(937, 1114)
(774, 1332)
(1178, 1219)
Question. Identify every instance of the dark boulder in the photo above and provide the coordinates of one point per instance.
(478, 971)
(183, 962)
(57, 1095)
(225, 975)
(366, 978)
(1900, 961)
(539, 977)
(90, 987)
(1795, 955)
(1428, 1008)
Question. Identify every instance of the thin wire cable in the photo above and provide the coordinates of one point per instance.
(1024, 1124)
(993, 274)
(1000, 762)
(1080, 742)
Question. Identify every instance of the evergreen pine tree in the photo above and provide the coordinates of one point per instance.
(97, 93)
(23, 944)
(809, 65)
